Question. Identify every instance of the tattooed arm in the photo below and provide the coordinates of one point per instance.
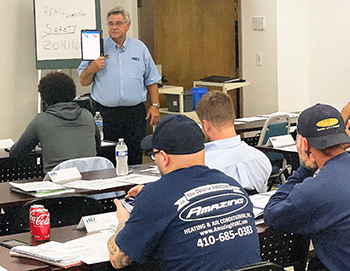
(117, 257)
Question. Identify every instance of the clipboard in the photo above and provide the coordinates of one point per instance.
(91, 44)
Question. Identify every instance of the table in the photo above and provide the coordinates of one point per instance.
(292, 157)
(256, 125)
(277, 247)
(30, 166)
(61, 234)
(8, 198)
(180, 92)
(225, 87)
(284, 249)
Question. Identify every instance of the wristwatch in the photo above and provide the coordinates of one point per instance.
(156, 105)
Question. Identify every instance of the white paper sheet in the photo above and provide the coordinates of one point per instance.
(97, 243)
(37, 186)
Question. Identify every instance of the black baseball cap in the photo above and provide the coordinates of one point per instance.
(175, 134)
(323, 126)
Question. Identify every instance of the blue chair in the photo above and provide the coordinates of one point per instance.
(276, 125)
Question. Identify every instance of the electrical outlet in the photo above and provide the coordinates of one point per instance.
(259, 59)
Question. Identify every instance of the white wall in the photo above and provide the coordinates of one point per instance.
(329, 50)
(261, 96)
(18, 75)
(292, 55)
(306, 54)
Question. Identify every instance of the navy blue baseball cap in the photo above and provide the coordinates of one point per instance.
(175, 134)
(323, 126)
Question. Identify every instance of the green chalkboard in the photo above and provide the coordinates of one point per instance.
(57, 25)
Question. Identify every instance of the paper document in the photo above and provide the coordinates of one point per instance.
(2, 269)
(101, 184)
(251, 119)
(138, 179)
(6, 143)
(107, 143)
(40, 189)
(37, 186)
(259, 202)
(99, 222)
(291, 115)
(97, 243)
(65, 175)
(59, 254)
(281, 141)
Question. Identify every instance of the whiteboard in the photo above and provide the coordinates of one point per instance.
(57, 29)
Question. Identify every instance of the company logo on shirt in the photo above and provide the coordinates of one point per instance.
(215, 206)
(222, 199)
(135, 58)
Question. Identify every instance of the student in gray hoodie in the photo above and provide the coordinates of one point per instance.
(65, 130)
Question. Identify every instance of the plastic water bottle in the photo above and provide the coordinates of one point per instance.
(121, 155)
(99, 122)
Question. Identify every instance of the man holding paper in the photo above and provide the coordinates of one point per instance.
(120, 84)
(193, 218)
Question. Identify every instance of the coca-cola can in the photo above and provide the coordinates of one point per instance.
(31, 217)
(41, 226)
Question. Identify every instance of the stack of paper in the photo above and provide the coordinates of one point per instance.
(55, 253)
(259, 202)
(40, 189)
(101, 184)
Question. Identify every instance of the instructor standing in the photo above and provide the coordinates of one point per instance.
(120, 84)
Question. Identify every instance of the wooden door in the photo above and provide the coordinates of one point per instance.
(195, 39)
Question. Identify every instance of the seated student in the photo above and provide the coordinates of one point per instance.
(317, 203)
(193, 218)
(225, 150)
(64, 130)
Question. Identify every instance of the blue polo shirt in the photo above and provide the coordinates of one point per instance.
(123, 80)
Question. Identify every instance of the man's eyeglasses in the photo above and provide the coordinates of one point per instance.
(119, 23)
(152, 154)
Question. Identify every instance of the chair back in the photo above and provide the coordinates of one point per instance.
(260, 266)
(275, 125)
(86, 164)
(64, 209)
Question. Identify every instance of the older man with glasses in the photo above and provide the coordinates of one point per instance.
(121, 80)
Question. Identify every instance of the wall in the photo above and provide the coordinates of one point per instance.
(18, 75)
(262, 95)
(329, 52)
(306, 56)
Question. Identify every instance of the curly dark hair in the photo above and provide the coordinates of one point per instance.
(57, 87)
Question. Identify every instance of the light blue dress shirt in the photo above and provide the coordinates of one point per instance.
(123, 79)
(246, 164)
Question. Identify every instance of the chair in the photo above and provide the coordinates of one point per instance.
(86, 164)
(276, 125)
(284, 249)
(64, 209)
(90, 164)
(260, 266)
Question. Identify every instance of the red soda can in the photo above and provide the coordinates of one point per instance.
(31, 217)
(41, 227)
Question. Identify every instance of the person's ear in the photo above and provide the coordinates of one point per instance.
(206, 125)
(164, 159)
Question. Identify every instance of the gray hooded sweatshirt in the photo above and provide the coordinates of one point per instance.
(65, 131)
